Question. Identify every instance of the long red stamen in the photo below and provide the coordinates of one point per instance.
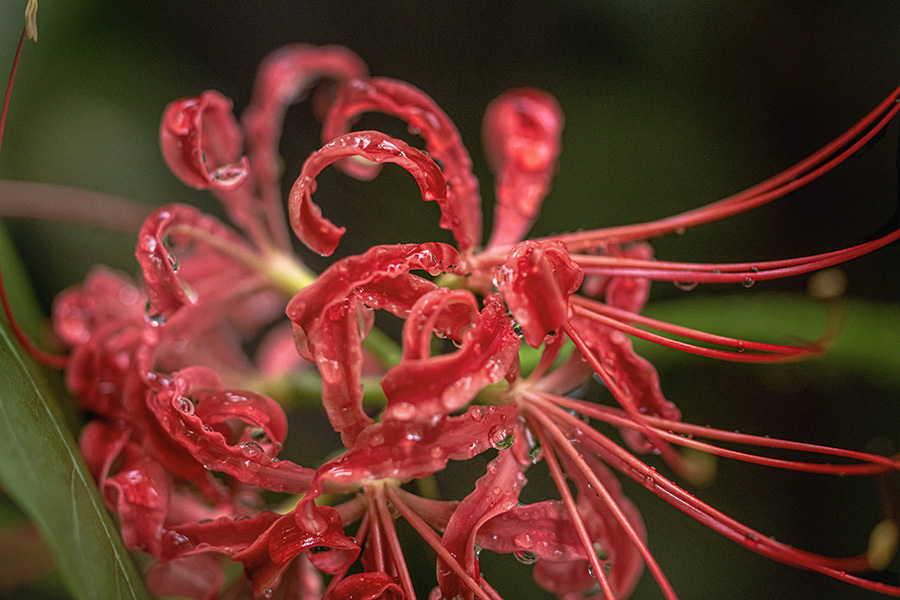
(669, 430)
(758, 352)
(771, 189)
(745, 273)
(563, 443)
(559, 478)
(399, 561)
(480, 589)
(48, 359)
(618, 457)
(622, 397)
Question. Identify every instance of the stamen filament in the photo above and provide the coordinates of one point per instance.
(399, 561)
(618, 457)
(481, 589)
(559, 479)
(602, 493)
(768, 352)
(771, 189)
(603, 413)
(619, 419)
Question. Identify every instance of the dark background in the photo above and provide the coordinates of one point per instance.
(668, 106)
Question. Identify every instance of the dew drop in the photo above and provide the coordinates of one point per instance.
(268, 593)
(185, 405)
(526, 558)
(747, 282)
(686, 285)
(500, 439)
(523, 540)
(517, 329)
(251, 448)
(173, 261)
(403, 411)
(230, 175)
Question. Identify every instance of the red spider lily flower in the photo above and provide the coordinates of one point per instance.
(538, 281)
(163, 368)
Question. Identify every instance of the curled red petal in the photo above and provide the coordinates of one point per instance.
(398, 450)
(223, 535)
(105, 296)
(495, 493)
(543, 529)
(257, 411)
(423, 388)
(170, 403)
(396, 294)
(336, 346)
(139, 493)
(320, 234)
(442, 311)
(160, 267)
(376, 585)
(327, 547)
(369, 271)
(201, 142)
(326, 325)
(536, 281)
(461, 213)
(284, 77)
(522, 130)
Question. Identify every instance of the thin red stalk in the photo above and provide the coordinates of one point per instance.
(24, 199)
(777, 353)
(559, 478)
(376, 539)
(874, 464)
(46, 358)
(662, 487)
(428, 534)
(600, 412)
(625, 316)
(771, 189)
(563, 443)
(387, 521)
(666, 451)
(752, 272)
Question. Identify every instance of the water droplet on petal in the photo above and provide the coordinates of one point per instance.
(403, 411)
(185, 405)
(523, 540)
(500, 439)
(526, 558)
(251, 448)
(747, 282)
(173, 261)
(230, 175)
(268, 593)
(685, 285)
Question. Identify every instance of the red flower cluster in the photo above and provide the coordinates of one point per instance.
(185, 455)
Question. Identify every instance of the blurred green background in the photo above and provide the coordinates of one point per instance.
(668, 106)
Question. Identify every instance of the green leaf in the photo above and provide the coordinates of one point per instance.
(41, 469)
